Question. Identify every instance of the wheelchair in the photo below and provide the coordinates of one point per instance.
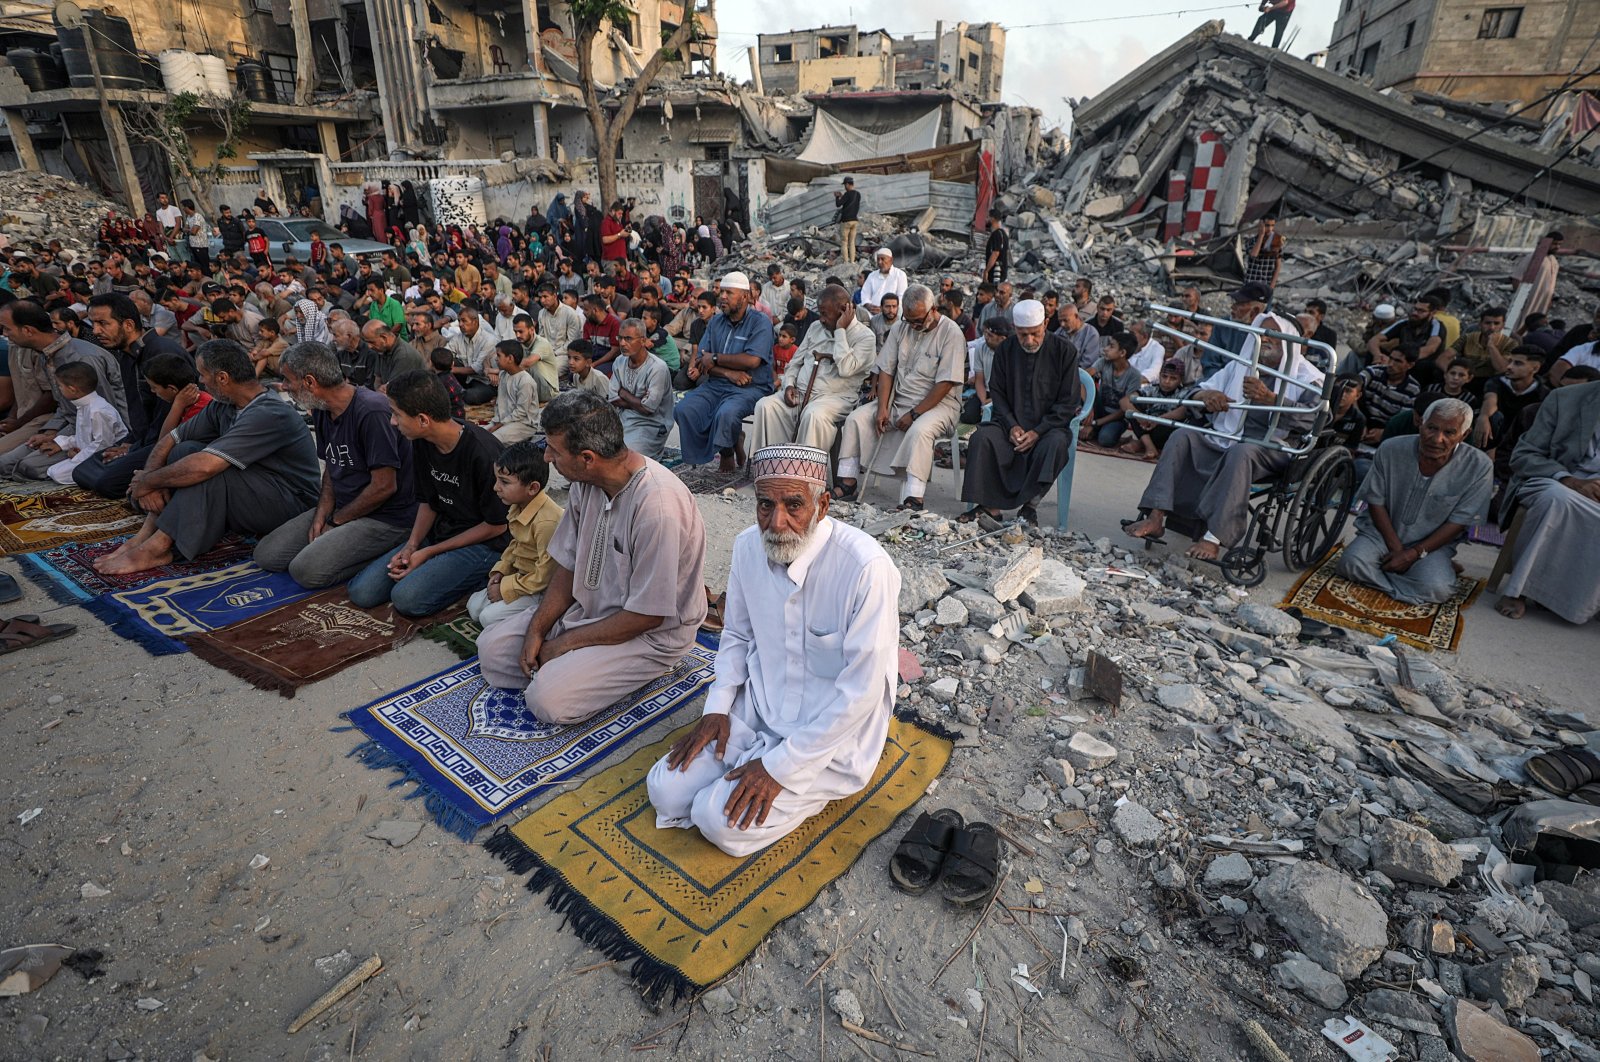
(1300, 513)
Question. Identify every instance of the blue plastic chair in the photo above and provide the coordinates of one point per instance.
(1064, 481)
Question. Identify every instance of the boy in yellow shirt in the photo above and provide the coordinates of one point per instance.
(517, 582)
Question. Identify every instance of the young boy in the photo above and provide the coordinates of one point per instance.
(516, 408)
(1148, 439)
(580, 362)
(517, 582)
(1458, 384)
(98, 425)
(1115, 379)
(782, 351)
(269, 347)
(444, 367)
(172, 379)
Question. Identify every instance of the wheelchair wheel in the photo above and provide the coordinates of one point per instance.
(1246, 564)
(1319, 508)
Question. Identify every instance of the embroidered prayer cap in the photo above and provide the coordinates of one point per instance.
(790, 461)
(1029, 313)
(735, 281)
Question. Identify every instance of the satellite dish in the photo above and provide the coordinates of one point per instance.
(68, 15)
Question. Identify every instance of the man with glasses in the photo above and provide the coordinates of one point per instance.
(921, 369)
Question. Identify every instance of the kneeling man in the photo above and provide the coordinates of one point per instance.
(800, 707)
(1422, 494)
(626, 596)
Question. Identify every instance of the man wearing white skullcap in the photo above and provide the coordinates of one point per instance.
(1033, 384)
(1205, 479)
(733, 370)
(887, 279)
(806, 670)
(920, 372)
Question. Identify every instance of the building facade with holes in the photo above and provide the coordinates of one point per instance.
(1502, 51)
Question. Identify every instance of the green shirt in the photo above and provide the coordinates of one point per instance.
(391, 313)
(667, 351)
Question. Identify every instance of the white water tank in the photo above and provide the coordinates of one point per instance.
(216, 75)
(180, 72)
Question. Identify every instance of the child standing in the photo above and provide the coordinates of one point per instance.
(517, 582)
(98, 426)
(516, 408)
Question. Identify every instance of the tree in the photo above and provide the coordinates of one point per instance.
(167, 126)
(588, 16)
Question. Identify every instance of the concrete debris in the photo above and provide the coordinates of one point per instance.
(43, 207)
(1300, 974)
(1088, 753)
(1229, 869)
(919, 585)
(1510, 981)
(1135, 824)
(1409, 853)
(1017, 574)
(1263, 619)
(1056, 589)
(1401, 1010)
(1335, 920)
(1477, 1037)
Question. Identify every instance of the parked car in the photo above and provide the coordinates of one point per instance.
(292, 236)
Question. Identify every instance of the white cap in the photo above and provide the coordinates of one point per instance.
(1383, 311)
(735, 281)
(881, 251)
(1029, 313)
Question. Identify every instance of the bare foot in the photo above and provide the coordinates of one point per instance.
(1203, 550)
(1133, 446)
(152, 553)
(1512, 607)
(1149, 527)
(727, 466)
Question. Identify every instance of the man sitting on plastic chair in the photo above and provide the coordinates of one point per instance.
(1014, 458)
(1205, 474)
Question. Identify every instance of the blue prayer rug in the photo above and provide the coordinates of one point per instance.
(476, 752)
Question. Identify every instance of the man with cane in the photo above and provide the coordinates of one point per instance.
(822, 381)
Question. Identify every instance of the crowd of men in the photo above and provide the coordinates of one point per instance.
(326, 419)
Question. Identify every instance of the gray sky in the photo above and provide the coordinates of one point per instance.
(1049, 55)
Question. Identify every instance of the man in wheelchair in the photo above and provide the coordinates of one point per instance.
(1205, 478)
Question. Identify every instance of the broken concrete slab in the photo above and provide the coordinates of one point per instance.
(1018, 573)
(1409, 853)
(1300, 974)
(1336, 921)
(1510, 981)
(1056, 589)
(1477, 1037)
(919, 585)
(1087, 752)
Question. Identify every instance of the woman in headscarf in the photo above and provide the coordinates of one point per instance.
(502, 244)
(559, 210)
(419, 241)
(311, 323)
(410, 205)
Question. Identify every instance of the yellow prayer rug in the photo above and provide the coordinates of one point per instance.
(684, 913)
(1322, 595)
(35, 516)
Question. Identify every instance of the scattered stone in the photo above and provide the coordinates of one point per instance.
(1196, 791)
(1477, 1037)
(1019, 571)
(336, 965)
(919, 585)
(1312, 981)
(1409, 853)
(1431, 936)
(1335, 920)
(719, 1001)
(1154, 615)
(1171, 876)
(910, 667)
(90, 891)
(1136, 825)
(1056, 589)
(1227, 870)
(398, 832)
(1060, 773)
(1189, 700)
(944, 689)
(983, 610)
(1510, 981)
(1264, 619)
(1400, 1009)
(950, 612)
(1579, 907)
(973, 1001)
(847, 1006)
(1088, 753)
(1032, 801)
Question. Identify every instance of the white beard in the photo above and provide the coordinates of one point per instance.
(784, 549)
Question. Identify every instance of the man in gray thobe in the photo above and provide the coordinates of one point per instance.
(1555, 476)
(1422, 493)
(1033, 384)
(1208, 478)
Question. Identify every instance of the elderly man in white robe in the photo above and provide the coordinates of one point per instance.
(1207, 478)
(1423, 492)
(800, 708)
(823, 381)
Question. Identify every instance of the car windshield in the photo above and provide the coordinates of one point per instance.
(303, 229)
(274, 229)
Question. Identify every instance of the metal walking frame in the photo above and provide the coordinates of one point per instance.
(1303, 511)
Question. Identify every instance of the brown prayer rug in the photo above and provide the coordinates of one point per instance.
(306, 641)
(706, 479)
(1322, 595)
(35, 516)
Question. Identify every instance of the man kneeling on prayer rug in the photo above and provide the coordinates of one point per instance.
(806, 671)
(1422, 493)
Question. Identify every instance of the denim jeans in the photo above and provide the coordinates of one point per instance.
(441, 581)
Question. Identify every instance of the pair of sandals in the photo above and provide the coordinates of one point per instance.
(24, 632)
(1571, 773)
(940, 848)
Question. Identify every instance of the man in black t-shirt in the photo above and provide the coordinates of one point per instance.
(849, 204)
(460, 526)
(368, 497)
(996, 253)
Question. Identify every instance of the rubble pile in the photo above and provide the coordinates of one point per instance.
(43, 207)
(1318, 820)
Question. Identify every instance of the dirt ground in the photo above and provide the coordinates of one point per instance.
(161, 779)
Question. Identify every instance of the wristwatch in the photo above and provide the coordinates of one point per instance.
(714, 359)
(1421, 553)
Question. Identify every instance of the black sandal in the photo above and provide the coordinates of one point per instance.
(972, 866)
(920, 855)
(912, 504)
(1029, 514)
(970, 515)
(844, 493)
(9, 590)
(1564, 771)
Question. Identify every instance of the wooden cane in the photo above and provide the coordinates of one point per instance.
(806, 399)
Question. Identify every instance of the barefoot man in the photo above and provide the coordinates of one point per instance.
(246, 463)
(1208, 478)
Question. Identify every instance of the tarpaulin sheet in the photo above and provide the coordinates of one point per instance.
(833, 141)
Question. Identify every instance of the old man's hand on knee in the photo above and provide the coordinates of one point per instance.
(752, 798)
(711, 728)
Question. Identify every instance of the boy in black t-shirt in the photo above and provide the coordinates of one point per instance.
(460, 528)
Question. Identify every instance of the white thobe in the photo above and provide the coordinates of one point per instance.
(98, 427)
(806, 674)
(1149, 360)
(878, 284)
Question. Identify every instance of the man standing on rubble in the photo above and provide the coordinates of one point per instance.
(997, 252)
(1274, 13)
(849, 203)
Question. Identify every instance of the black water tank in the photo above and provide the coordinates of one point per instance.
(150, 71)
(37, 69)
(112, 38)
(256, 83)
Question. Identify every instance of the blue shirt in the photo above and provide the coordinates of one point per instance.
(752, 335)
